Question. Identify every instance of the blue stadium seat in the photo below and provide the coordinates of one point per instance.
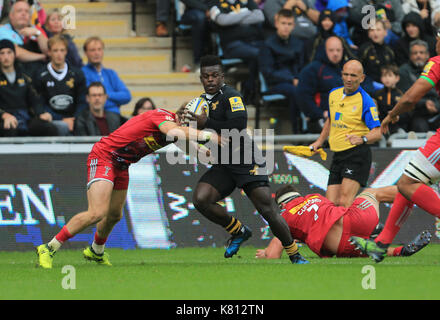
(265, 99)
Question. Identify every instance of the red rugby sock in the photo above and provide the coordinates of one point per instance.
(397, 251)
(63, 235)
(399, 212)
(427, 199)
(99, 241)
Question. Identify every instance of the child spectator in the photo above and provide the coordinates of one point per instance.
(387, 97)
(375, 53)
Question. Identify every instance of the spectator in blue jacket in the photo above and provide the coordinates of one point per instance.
(340, 10)
(117, 92)
(281, 60)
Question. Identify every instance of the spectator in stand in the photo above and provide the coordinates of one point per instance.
(315, 47)
(239, 28)
(19, 101)
(62, 88)
(389, 10)
(316, 80)
(280, 61)
(375, 53)
(425, 115)
(196, 14)
(413, 29)
(54, 26)
(429, 11)
(117, 92)
(340, 11)
(162, 16)
(387, 97)
(321, 5)
(30, 41)
(94, 120)
(306, 17)
(143, 105)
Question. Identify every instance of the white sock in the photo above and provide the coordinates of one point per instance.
(99, 249)
(54, 244)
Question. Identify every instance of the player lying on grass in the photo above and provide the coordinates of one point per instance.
(107, 173)
(326, 228)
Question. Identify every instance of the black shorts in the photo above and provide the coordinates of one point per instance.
(225, 178)
(354, 164)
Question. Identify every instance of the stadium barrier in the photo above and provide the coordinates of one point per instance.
(43, 185)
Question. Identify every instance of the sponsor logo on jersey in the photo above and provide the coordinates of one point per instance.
(427, 68)
(236, 104)
(374, 113)
(61, 101)
(70, 83)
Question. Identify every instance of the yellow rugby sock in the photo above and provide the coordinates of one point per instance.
(234, 226)
(291, 249)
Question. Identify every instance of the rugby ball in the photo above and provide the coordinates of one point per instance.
(198, 106)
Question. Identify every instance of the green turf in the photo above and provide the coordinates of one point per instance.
(203, 274)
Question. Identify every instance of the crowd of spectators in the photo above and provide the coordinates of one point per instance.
(45, 88)
(298, 46)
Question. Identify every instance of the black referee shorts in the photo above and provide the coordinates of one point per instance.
(225, 178)
(354, 164)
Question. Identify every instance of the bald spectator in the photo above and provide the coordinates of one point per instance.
(316, 81)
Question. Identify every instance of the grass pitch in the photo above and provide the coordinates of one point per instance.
(203, 274)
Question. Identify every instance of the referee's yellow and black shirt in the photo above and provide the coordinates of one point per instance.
(354, 113)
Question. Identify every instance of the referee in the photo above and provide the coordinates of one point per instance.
(352, 125)
(228, 112)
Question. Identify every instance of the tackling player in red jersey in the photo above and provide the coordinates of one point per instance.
(107, 172)
(422, 171)
(326, 228)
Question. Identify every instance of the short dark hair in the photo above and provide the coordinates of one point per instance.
(96, 84)
(140, 103)
(284, 189)
(210, 60)
(286, 13)
(390, 68)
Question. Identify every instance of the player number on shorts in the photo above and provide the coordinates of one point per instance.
(315, 208)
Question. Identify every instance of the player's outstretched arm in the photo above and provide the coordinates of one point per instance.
(408, 101)
(172, 129)
(273, 251)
